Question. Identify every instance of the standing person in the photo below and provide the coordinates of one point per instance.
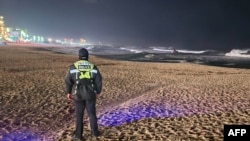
(83, 85)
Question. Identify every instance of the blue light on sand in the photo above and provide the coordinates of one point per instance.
(126, 115)
(23, 135)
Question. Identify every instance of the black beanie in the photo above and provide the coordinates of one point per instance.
(83, 54)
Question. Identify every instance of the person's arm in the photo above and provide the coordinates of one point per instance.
(68, 85)
(98, 81)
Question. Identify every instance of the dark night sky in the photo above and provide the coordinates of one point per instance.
(190, 24)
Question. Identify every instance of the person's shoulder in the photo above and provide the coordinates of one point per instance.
(92, 63)
(71, 66)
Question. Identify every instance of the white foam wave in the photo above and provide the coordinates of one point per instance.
(131, 50)
(89, 47)
(239, 53)
(191, 51)
(171, 50)
(163, 50)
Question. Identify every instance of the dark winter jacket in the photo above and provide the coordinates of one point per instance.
(83, 80)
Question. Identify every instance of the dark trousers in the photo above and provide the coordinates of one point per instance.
(91, 109)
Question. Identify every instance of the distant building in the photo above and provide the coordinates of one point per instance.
(3, 33)
(9, 34)
(17, 35)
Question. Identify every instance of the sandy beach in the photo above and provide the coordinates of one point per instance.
(143, 101)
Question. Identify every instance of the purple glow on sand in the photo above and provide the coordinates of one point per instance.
(142, 109)
(22, 135)
(135, 112)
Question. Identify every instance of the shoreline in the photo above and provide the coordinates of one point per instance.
(209, 60)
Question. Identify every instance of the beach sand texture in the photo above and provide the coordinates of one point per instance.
(139, 101)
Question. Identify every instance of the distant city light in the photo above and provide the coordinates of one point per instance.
(42, 39)
(21, 36)
(34, 38)
(58, 41)
(38, 39)
(49, 40)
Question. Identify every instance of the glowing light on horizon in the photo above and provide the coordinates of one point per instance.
(50, 40)
(34, 38)
(38, 39)
(42, 39)
(8, 29)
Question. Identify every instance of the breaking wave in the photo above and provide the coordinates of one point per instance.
(239, 53)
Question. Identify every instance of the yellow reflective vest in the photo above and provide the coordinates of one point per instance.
(85, 68)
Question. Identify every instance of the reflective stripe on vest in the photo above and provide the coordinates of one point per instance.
(84, 67)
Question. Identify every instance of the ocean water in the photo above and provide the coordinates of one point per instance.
(236, 58)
